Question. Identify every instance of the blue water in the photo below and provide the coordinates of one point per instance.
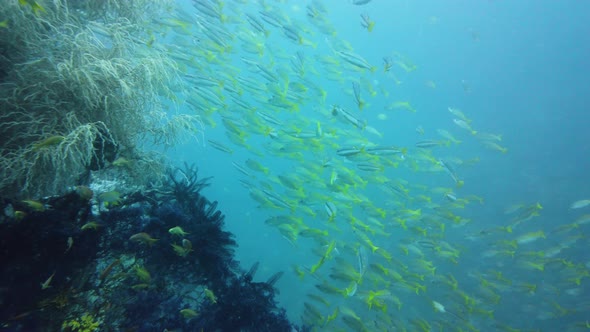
(515, 68)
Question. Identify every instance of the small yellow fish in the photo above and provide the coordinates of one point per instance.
(188, 313)
(47, 283)
(48, 142)
(438, 307)
(458, 113)
(210, 295)
(219, 146)
(34, 205)
(92, 225)
(351, 289)
(144, 238)
(530, 237)
(333, 177)
(34, 5)
(333, 316)
(110, 198)
(256, 166)
(387, 64)
(465, 125)
(177, 231)
(331, 210)
(19, 215)
(121, 162)
(183, 250)
(367, 23)
(494, 146)
(489, 137)
(580, 204)
(142, 274)
(401, 104)
(69, 243)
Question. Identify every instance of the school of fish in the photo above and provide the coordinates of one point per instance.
(389, 224)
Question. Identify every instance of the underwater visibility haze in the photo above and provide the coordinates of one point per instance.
(283, 165)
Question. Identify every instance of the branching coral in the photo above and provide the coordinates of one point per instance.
(82, 70)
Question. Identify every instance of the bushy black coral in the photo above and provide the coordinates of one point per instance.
(153, 310)
(232, 300)
(244, 305)
(185, 207)
(184, 186)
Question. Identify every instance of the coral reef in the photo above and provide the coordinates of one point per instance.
(79, 87)
(159, 259)
(251, 305)
(94, 234)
